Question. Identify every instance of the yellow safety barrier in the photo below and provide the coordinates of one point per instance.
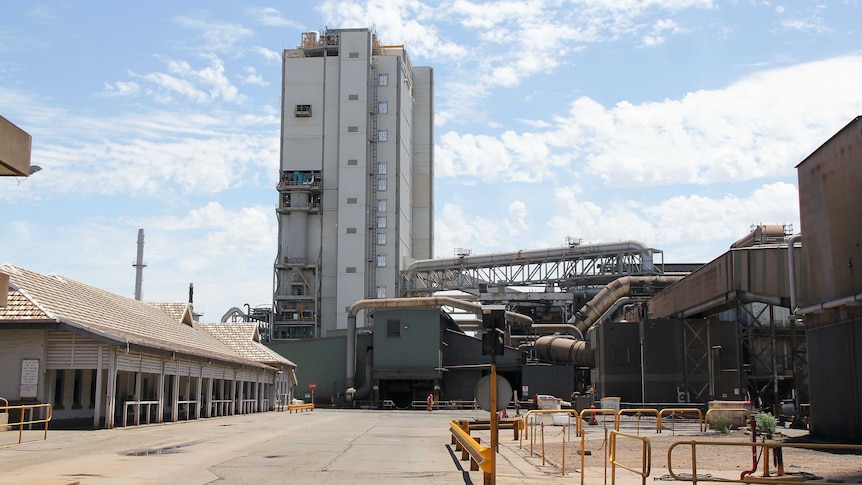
(766, 448)
(480, 456)
(646, 457)
(485, 425)
(531, 432)
(592, 412)
(639, 412)
(299, 407)
(49, 412)
(681, 411)
(705, 424)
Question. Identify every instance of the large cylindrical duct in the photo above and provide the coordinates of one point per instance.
(619, 288)
(564, 348)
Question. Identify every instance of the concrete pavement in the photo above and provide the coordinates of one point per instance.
(324, 446)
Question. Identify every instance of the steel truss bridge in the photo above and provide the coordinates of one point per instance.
(563, 268)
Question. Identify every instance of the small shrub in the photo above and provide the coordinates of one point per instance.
(721, 423)
(765, 424)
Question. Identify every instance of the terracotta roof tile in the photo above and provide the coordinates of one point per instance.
(244, 339)
(118, 317)
(18, 307)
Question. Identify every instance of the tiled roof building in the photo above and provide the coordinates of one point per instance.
(78, 336)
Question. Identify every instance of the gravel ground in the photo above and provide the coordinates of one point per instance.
(719, 461)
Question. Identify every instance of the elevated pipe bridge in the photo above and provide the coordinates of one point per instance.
(563, 267)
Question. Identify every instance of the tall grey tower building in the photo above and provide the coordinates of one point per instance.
(355, 191)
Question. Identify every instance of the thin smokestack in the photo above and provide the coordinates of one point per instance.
(139, 267)
(191, 292)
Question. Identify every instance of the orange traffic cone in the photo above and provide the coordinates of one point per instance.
(593, 421)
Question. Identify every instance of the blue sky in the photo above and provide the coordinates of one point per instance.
(674, 122)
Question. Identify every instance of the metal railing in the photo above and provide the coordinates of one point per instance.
(646, 457)
(673, 412)
(745, 477)
(638, 412)
(221, 407)
(137, 405)
(187, 407)
(49, 412)
(480, 456)
(300, 407)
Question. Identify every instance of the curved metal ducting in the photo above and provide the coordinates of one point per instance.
(516, 257)
(416, 302)
(619, 288)
(234, 311)
(564, 348)
(362, 392)
(762, 234)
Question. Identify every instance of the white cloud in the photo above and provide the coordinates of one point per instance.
(759, 126)
(453, 228)
(199, 85)
(215, 35)
(121, 88)
(267, 54)
(518, 218)
(251, 77)
(271, 17)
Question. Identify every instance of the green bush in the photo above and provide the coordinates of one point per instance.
(765, 424)
(720, 422)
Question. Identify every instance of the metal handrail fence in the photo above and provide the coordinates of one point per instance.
(766, 448)
(682, 412)
(646, 457)
(593, 412)
(222, 407)
(137, 410)
(188, 408)
(480, 456)
(639, 412)
(49, 413)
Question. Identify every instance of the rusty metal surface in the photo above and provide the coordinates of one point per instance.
(14, 149)
(754, 274)
(830, 200)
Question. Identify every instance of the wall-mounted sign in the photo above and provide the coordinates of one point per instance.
(29, 378)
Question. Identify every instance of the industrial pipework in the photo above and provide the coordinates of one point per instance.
(418, 302)
(573, 348)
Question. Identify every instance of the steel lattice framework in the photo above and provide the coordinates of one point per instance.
(567, 267)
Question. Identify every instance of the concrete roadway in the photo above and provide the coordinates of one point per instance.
(323, 446)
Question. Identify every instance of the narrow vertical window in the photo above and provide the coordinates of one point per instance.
(381, 260)
(381, 223)
(59, 388)
(381, 205)
(381, 185)
(381, 238)
(383, 79)
(382, 135)
(76, 389)
(382, 168)
(381, 292)
(383, 107)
